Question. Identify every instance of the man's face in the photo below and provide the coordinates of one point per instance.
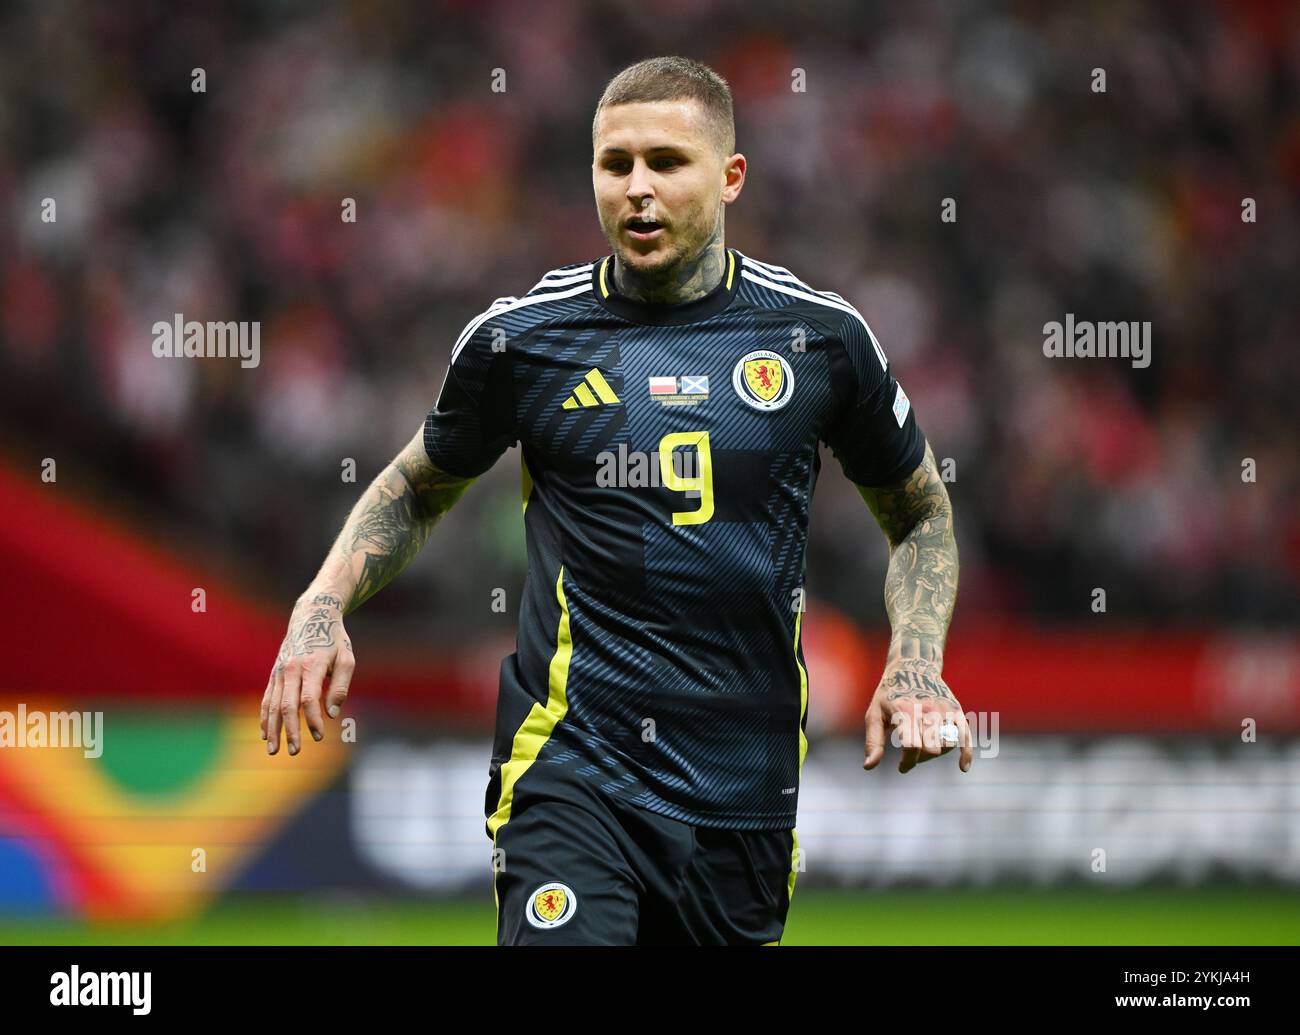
(657, 161)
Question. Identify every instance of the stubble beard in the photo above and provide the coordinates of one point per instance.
(677, 274)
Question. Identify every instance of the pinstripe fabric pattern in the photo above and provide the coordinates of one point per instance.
(684, 685)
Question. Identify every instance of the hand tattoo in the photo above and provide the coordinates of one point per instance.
(916, 680)
(316, 630)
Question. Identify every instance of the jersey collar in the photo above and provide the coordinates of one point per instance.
(602, 285)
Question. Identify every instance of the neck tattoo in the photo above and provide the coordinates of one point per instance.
(685, 282)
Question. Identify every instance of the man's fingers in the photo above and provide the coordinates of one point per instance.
(875, 746)
(951, 722)
(273, 714)
(310, 695)
(909, 738)
(932, 745)
(918, 733)
(288, 708)
(340, 680)
(266, 701)
(290, 700)
(934, 725)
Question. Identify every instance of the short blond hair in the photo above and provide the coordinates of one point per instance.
(674, 79)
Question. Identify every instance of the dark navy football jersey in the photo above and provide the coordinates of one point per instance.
(669, 458)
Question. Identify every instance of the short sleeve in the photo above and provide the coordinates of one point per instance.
(473, 421)
(873, 431)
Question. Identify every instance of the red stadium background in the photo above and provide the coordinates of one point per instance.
(1161, 729)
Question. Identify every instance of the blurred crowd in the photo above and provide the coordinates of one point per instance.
(1067, 474)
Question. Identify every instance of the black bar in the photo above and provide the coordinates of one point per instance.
(925, 984)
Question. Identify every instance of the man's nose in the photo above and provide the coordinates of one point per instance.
(638, 184)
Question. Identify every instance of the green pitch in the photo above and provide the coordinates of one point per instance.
(817, 917)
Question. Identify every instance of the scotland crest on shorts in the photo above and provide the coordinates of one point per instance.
(551, 905)
(763, 379)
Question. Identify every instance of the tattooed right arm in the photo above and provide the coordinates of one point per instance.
(388, 526)
(386, 529)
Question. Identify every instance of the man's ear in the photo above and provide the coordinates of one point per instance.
(733, 177)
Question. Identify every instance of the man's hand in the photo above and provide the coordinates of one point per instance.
(315, 648)
(920, 590)
(913, 698)
(385, 530)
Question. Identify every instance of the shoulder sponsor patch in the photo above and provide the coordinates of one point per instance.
(901, 406)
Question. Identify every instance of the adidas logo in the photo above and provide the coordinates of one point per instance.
(593, 391)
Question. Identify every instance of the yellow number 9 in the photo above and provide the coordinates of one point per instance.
(703, 482)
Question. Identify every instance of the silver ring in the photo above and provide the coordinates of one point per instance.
(949, 735)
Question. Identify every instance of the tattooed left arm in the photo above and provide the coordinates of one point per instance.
(920, 590)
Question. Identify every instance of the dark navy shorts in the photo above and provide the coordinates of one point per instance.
(577, 867)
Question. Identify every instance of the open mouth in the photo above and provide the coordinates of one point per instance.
(643, 229)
